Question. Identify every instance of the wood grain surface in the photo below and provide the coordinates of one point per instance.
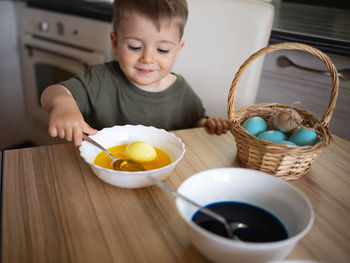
(54, 209)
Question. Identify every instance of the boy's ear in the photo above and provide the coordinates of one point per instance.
(182, 43)
(114, 43)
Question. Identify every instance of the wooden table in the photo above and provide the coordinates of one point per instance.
(54, 209)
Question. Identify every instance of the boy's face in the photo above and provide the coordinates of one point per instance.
(145, 54)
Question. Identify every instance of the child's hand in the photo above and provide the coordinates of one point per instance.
(66, 121)
(215, 125)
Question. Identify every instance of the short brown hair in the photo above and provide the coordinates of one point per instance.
(159, 11)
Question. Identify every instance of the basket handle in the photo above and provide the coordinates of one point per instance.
(290, 45)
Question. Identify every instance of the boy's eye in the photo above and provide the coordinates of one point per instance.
(161, 50)
(134, 47)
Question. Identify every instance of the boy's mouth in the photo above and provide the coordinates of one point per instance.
(145, 71)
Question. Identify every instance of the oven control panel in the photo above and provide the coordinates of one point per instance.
(69, 29)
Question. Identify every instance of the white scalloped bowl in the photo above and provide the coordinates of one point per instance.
(117, 135)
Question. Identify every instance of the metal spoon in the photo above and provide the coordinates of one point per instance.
(285, 62)
(121, 164)
(230, 227)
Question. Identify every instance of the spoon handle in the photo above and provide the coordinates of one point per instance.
(87, 138)
(177, 194)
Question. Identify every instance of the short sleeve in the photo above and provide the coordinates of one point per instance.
(85, 89)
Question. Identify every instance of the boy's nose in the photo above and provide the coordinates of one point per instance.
(147, 56)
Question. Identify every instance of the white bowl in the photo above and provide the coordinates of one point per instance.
(117, 135)
(278, 197)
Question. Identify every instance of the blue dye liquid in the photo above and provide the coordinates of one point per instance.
(263, 226)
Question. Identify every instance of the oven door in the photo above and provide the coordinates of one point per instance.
(44, 64)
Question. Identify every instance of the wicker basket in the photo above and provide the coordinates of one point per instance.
(284, 161)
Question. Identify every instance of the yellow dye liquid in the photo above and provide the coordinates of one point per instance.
(103, 160)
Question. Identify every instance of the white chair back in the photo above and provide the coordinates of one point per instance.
(219, 36)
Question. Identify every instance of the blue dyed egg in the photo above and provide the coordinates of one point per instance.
(304, 136)
(286, 142)
(272, 136)
(255, 125)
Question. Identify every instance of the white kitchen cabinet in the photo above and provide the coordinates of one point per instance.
(287, 85)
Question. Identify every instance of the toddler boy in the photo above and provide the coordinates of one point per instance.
(138, 88)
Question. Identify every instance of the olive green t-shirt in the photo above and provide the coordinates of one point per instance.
(106, 98)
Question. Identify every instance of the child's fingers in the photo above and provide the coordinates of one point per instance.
(215, 125)
(52, 131)
(87, 129)
(218, 126)
(69, 134)
(61, 133)
(224, 125)
(78, 136)
(211, 125)
(78, 133)
(221, 125)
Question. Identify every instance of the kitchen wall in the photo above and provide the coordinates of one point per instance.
(12, 111)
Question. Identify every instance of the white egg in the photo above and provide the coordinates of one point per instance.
(286, 120)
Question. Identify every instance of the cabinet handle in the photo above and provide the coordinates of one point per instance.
(283, 62)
